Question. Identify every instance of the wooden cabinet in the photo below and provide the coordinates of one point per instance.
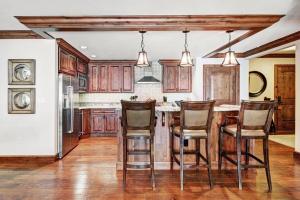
(114, 78)
(67, 62)
(70, 59)
(176, 79)
(85, 123)
(104, 122)
(221, 84)
(82, 66)
(111, 76)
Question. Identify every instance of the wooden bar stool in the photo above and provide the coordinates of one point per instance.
(138, 122)
(195, 123)
(253, 122)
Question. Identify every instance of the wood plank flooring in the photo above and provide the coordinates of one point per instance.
(89, 172)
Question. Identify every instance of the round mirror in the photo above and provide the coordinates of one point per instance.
(22, 72)
(257, 83)
(22, 100)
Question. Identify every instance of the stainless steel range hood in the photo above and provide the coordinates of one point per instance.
(148, 76)
(148, 79)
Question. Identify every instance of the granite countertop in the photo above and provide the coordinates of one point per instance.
(161, 107)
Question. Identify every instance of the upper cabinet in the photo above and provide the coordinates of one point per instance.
(82, 66)
(67, 62)
(111, 76)
(176, 79)
(71, 60)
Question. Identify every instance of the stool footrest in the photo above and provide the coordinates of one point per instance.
(138, 152)
(138, 166)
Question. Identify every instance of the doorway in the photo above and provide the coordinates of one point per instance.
(284, 92)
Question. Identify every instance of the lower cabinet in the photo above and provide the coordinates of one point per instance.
(104, 122)
(85, 123)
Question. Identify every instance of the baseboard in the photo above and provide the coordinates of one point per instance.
(28, 159)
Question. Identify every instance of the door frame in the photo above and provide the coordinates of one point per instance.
(275, 93)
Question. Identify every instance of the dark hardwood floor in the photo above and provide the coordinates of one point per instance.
(89, 172)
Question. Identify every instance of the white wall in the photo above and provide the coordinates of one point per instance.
(29, 134)
(266, 67)
(297, 130)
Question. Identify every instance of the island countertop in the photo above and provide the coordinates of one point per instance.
(160, 107)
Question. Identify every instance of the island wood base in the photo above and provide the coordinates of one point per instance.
(162, 144)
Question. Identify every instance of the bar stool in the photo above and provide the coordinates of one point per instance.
(195, 123)
(253, 122)
(138, 122)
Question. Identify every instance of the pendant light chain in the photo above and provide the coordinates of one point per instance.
(185, 42)
(142, 42)
(229, 41)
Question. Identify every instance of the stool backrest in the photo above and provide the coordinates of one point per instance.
(196, 115)
(138, 115)
(256, 115)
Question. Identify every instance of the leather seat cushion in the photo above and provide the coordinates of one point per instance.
(190, 133)
(138, 133)
(231, 129)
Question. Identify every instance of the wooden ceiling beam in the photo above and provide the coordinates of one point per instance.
(150, 22)
(235, 41)
(276, 43)
(279, 55)
(19, 34)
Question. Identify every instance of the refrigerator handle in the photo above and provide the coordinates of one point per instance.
(71, 102)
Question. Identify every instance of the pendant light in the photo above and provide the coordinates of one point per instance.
(186, 59)
(230, 58)
(142, 57)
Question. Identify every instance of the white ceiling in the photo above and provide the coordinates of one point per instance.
(159, 45)
(124, 45)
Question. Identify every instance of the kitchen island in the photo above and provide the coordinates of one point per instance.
(165, 117)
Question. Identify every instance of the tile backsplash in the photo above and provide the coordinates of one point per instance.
(143, 91)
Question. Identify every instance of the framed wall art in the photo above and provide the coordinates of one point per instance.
(21, 71)
(21, 100)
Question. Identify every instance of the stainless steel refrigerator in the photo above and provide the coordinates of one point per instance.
(68, 114)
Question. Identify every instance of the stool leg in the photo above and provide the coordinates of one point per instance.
(247, 148)
(197, 151)
(124, 160)
(266, 161)
(207, 145)
(239, 170)
(171, 151)
(152, 162)
(220, 149)
(181, 162)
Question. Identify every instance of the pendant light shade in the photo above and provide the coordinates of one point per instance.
(230, 58)
(186, 59)
(142, 60)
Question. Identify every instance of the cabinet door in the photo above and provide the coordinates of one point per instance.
(72, 66)
(93, 78)
(81, 66)
(128, 79)
(170, 78)
(111, 123)
(184, 79)
(98, 123)
(103, 78)
(221, 84)
(115, 78)
(86, 123)
(66, 63)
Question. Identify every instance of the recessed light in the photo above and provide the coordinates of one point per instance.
(83, 47)
(93, 56)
